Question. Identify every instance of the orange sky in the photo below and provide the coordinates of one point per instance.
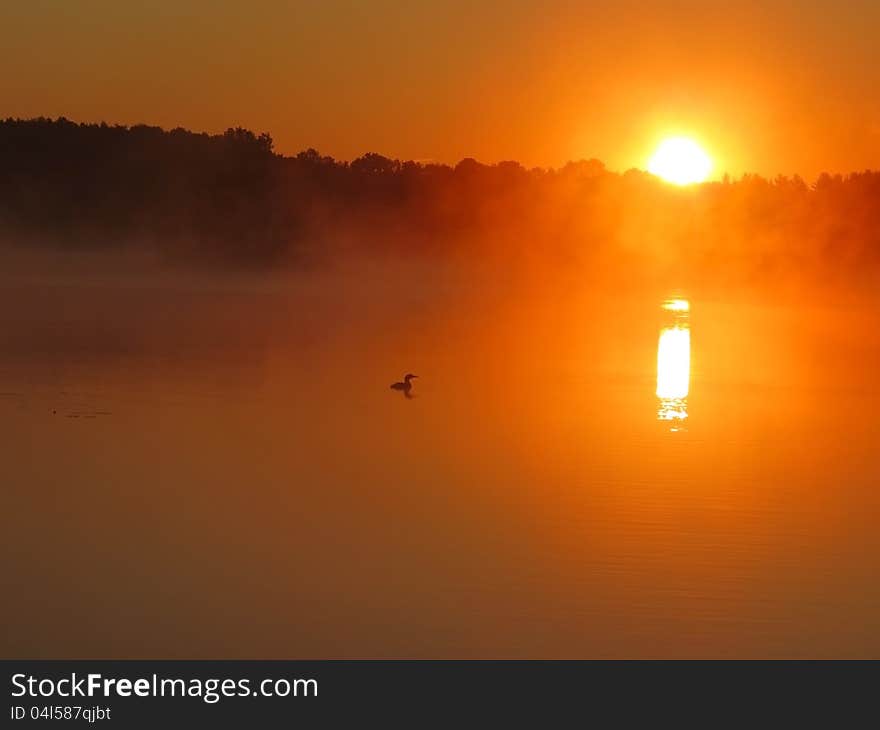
(772, 86)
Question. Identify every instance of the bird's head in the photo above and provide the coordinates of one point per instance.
(409, 376)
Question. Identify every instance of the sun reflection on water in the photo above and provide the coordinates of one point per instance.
(674, 363)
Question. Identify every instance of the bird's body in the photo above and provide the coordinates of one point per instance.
(405, 386)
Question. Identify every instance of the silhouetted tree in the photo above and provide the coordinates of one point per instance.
(230, 196)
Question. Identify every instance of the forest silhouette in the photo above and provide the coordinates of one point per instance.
(231, 199)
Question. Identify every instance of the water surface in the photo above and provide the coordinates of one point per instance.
(222, 471)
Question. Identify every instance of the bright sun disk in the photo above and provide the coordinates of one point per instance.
(681, 161)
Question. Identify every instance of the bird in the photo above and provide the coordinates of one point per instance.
(405, 386)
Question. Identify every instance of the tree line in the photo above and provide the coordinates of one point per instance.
(232, 197)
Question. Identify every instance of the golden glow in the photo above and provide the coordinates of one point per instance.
(681, 161)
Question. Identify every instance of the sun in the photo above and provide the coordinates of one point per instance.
(681, 161)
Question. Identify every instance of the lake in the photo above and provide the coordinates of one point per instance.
(216, 467)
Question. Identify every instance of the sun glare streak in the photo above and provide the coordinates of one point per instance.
(680, 160)
(674, 363)
(677, 305)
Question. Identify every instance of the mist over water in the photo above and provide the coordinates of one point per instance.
(209, 464)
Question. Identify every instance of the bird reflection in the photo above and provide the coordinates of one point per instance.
(405, 386)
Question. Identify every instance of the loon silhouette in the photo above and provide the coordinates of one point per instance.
(405, 386)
